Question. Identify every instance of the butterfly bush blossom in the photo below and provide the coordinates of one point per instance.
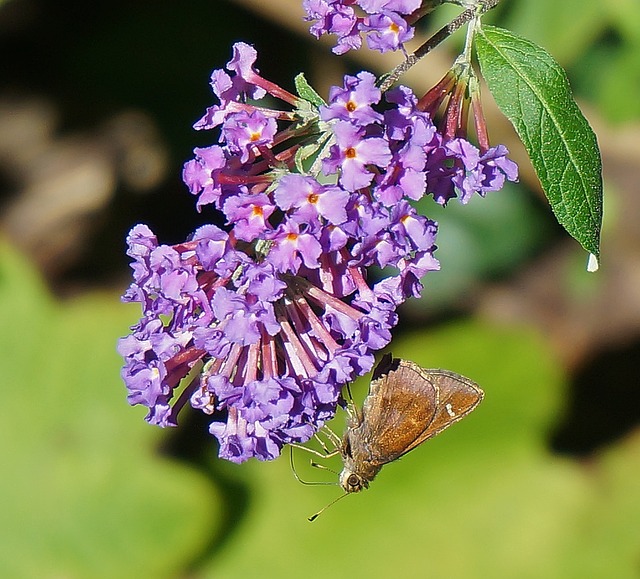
(262, 323)
(386, 24)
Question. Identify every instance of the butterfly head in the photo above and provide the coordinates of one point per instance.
(352, 482)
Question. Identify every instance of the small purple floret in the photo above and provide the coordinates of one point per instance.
(382, 22)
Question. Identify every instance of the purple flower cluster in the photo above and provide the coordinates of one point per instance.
(384, 23)
(265, 322)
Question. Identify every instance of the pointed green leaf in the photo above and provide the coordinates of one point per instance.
(304, 153)
(533, 92)
(306, 91)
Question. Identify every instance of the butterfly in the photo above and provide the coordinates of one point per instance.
(405, 406)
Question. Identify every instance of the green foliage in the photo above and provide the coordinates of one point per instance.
(549, 23)
(534, 94)
(84, 492)
(483, 239)
(597, 42)
(484, 499)
(307, 92)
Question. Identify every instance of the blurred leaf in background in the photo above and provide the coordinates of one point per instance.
(482, 240)
(87, 494)
(484, 499)
(84, 490)
(598, 43)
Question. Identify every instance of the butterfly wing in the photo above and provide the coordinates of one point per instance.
(401, 404)
(457, 397)
(407, 405)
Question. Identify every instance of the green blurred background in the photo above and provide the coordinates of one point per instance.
(96, 106)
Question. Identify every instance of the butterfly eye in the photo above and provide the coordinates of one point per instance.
(356, 483)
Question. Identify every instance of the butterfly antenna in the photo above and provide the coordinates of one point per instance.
(323, 509)
(323, 467)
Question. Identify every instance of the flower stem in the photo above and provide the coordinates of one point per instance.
(447, 30)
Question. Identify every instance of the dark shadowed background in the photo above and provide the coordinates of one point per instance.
(97, 102)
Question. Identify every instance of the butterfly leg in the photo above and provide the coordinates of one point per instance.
(353, 412)
(334, 439)
(326, 454)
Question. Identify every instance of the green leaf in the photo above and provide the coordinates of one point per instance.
(533, 92)
(550, 23)
(306, 91)
(85, 492)
(486, 498)
(303, 154)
